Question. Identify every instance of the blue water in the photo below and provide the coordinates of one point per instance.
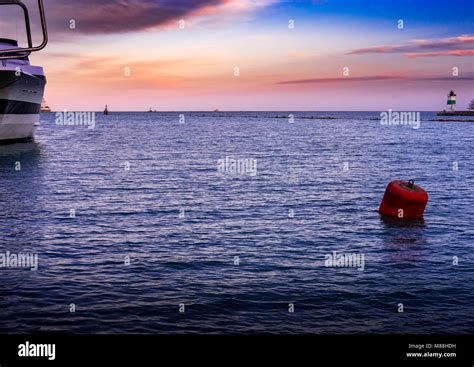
(331, 172)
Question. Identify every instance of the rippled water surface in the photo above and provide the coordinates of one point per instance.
(248, 246)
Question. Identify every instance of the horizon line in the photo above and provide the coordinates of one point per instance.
(234, 111)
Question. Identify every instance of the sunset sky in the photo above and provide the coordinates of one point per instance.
(192, 68)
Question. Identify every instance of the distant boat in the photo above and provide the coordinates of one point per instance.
(44, 107)
(151, 111)
(217, 110)
(106, 111)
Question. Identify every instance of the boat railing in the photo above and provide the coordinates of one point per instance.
(21, 53)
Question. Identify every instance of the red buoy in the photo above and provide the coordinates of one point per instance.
(404, 200)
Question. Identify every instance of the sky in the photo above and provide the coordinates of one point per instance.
(255, 55)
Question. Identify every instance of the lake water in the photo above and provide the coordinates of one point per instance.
(142, 217)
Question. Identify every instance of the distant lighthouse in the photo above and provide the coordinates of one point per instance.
(451, 110)
(452, 101)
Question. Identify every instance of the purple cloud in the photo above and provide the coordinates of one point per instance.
(468, 77)
(455, 46)
(332, 80)
(122, 16)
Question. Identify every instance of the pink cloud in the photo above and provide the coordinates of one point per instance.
(377, 50)
(413, 55)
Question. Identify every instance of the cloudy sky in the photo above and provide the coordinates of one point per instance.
(184, 55)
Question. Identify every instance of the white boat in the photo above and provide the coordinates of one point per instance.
(21, 85)
(44, 107)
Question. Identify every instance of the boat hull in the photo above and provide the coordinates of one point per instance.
(20, 103)
(18, 127)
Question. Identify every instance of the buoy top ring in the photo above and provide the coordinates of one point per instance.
(410, 185)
